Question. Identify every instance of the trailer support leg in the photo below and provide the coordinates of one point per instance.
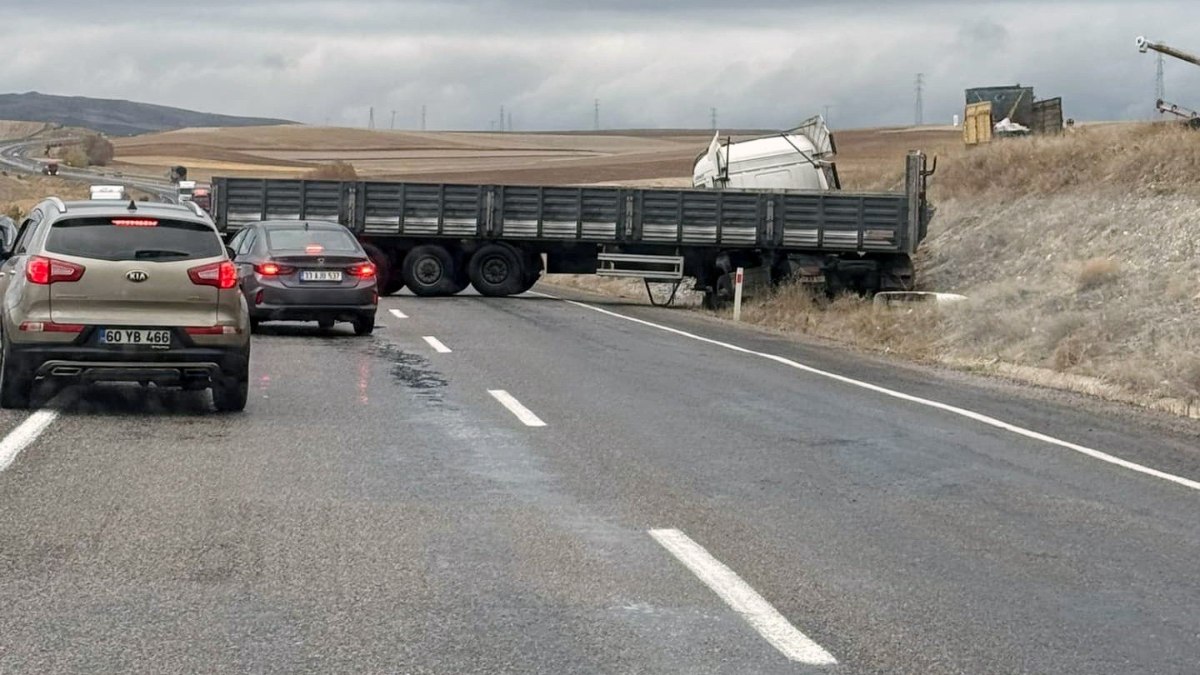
(670, 300)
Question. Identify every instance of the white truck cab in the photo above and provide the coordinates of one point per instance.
(800, 159)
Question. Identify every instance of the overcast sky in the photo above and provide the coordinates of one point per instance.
(658, 63)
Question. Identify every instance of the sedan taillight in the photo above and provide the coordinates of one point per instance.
(222, 274)
(273, 269)
(45, 271)
(365, 270)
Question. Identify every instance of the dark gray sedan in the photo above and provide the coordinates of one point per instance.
(306, 271)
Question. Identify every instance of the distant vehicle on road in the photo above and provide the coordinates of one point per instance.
(104, 291)
(306, 271)
(50, 168)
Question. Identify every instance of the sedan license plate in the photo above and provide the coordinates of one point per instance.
(136, 336)
(312, 275)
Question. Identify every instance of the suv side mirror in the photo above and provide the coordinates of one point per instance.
(229, 250)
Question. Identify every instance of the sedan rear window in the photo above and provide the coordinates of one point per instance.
(134, 238)
(300, 239)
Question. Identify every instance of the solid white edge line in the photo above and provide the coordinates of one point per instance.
(398, 314)
(514, 406)
(23, 434)
(743, 599)
(436, 344)
(962, 412)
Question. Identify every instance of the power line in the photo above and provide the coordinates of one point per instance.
(920, 103)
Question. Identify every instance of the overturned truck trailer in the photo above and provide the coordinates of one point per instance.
(436, 239)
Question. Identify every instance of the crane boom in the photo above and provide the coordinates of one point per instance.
(1143, 45)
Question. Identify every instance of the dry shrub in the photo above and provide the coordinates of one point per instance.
(1069, 352)
(1097, 272)
(76, 157)
(338, 170)
(98, 149)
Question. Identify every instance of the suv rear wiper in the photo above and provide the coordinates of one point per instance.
(148, 253)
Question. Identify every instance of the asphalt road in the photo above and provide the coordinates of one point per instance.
(378, 509)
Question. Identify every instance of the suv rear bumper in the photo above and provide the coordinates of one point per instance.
(189, 365)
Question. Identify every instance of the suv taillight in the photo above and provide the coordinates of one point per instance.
(45, 271)
(222, 274)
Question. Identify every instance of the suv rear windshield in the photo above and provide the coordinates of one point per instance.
(299, 239)
(136, 239)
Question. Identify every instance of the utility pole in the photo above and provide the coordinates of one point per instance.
(713, 111)
(371, 118)
(596, 115)
(827, 109)
(422, 117)
(1160, 85)
(510, 127)
(393, 126)
(501, 118)
(920, 104)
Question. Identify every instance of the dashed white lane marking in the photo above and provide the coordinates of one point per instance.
(398, 314)
(514, 406)
(25, 433)
(744, 600)
(436, 344)
(962, 412)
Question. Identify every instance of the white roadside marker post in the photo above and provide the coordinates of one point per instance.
(738, 278)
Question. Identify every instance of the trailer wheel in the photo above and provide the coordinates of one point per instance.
(386, 278)
(533, 271)
(497, 270)
(719, 297)
(428, 271)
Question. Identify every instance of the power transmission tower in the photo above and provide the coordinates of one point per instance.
(827, 109)
(510, 127)
(501, 118)
(920, 104)
(596, 115)
(422, 117)
(393, 126)
(371, 118)
(713, 112)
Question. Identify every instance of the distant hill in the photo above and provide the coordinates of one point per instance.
(114, 117)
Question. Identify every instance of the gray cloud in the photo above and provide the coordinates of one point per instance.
(762, 63)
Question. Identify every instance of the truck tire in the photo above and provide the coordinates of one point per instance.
(386, 279)
(720, 296)
(429, 271)
(533, 271)
(496, 270)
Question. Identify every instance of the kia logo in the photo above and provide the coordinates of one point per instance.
(136, 276)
